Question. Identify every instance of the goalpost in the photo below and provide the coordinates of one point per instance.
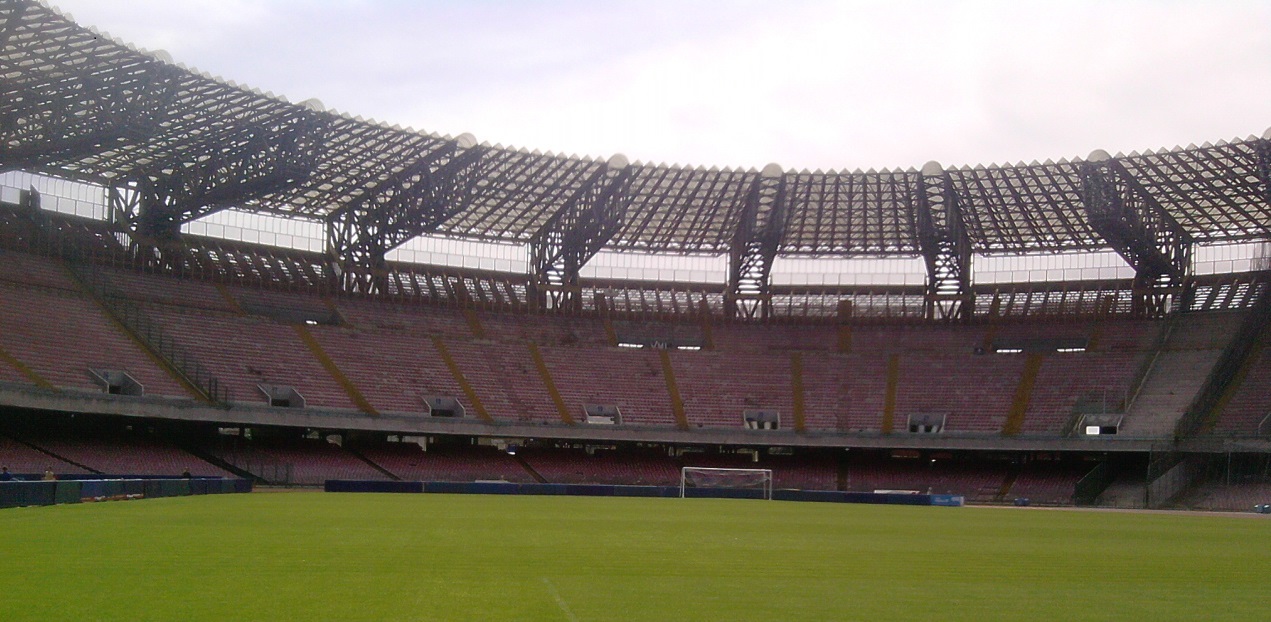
(747, 479)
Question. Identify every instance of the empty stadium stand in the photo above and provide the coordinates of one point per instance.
(298, 461)
(122, 454)
(388, 353)
(1248, 409)
(445, 463)
(294, 365)
(1178, 371)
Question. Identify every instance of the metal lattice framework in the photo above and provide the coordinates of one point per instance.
(404, 204)
(945, 246)
(755, 245)
(172, 145)
(1147, 237)
(576, 233)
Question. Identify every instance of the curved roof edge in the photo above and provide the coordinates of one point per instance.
(1212, 191)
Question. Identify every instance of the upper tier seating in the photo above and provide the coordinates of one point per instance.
(23, 269)
(974, 391)
(718, 386)
(748, 338)
(844, 392)
(60, 335)
(388, 352)
(244, 351)
(394, 370)
(1250, 402)
(518, 378)
(412, 319)
(632, 380)
(547, 330)
(152, 288)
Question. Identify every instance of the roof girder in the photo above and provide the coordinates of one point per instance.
(755, 243)
(259, 161)
(1017, 208)
(408, 203)
(945, 246)
(575, 233)
(1140, 230)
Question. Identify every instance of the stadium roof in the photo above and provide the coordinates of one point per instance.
(77, 104)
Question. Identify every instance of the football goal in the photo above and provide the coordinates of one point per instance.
(732, 479)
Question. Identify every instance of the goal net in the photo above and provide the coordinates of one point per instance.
(731, 479)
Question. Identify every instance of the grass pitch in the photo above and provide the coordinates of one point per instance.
(315, 556)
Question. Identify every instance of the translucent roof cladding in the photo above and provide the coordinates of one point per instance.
(1026, 206)
(850, 213)
(518, 192)
(1214, 191)
(91, 108)
(683, 209)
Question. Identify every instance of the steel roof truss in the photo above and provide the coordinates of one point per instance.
(1264, 169)
(755, 242)
(408, 203)
(575, 233)
(219, 174)
(945, 246)
(1141, 231)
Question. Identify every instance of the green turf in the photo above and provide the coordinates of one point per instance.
(313, 556)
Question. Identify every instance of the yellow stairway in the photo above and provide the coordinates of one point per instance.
(546, 374)
(355, 394)
(1023, 395)
(464, 385)
(677, 404)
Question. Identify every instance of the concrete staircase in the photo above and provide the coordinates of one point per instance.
(1128, 490)
(1178, 373)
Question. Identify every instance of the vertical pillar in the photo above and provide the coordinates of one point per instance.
(1141, 231)
(945, 246)
(754, 247)
(575, 234)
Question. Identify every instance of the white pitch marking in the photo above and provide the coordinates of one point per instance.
(560, 602)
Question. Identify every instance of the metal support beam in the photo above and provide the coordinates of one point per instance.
(78, 116)
(1264, 164)
(219, 173)
(1141, 231)
(945, 246)
(575, 233)
(411, 202)
(754, 247)
(12, 16)
(224, 171)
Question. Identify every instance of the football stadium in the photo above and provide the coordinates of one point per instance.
(576, 388)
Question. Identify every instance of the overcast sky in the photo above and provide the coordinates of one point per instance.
(806, 83)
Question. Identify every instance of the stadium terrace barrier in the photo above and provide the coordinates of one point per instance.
(19, 493)
(605, 490)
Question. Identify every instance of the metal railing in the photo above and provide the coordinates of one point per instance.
(149, 333)
(1088, 488)
(1145, 370)
(1234, 357)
